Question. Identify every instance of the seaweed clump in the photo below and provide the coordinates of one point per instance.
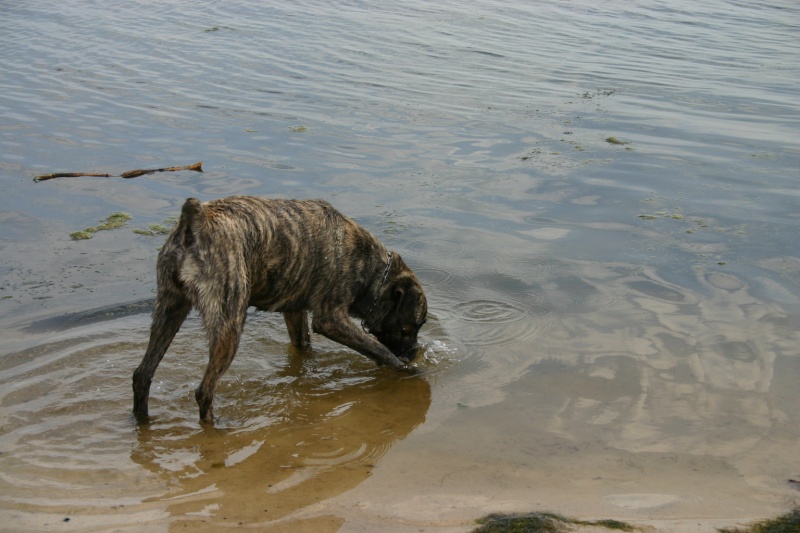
(113, 221)
(541, 523)
(157, 229)
(788, 523)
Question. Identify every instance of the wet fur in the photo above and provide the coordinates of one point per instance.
(289, 256)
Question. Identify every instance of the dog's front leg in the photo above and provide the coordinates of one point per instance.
(338, 327)
(297, 324)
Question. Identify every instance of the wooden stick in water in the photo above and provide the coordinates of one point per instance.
(197, 167)
(68, 175)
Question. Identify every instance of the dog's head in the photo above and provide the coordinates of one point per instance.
(402, 310)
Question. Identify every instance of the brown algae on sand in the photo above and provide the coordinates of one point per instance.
(542, 523)
(787, 523)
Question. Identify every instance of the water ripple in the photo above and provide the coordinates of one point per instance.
(486, 322)
(488, 311)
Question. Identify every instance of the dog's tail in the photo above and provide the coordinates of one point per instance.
(192, 220)
(192, 209)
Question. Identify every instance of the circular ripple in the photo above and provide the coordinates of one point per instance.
(487, 322)
(433, 246)
(432, 277)
(489, 311)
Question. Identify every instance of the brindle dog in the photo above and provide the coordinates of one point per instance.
(289, 256)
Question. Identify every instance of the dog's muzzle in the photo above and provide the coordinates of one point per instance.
(409, 354)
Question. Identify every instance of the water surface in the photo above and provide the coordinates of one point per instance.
(600, 200)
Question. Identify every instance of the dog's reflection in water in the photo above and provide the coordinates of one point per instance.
(323, 423)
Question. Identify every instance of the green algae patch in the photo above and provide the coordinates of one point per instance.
(542, 523)
(157, 229)
(112, 221)
(788, 523)
(661, 214)
(82, 235)
(152, 230)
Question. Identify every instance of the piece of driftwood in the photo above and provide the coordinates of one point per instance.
(197, 167)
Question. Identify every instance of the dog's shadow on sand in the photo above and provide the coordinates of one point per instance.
(312, 431)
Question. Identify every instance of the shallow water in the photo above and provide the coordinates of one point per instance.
(613, 329)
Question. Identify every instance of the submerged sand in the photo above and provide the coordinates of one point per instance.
(655, 406)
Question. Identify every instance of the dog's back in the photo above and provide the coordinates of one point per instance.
(274, 254)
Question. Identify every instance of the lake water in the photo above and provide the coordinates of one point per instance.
(601, 201)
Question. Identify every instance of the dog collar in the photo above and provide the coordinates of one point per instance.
(385, 276)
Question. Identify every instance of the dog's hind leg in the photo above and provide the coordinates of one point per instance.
(223, 341)
(169, 312)
(297, 324)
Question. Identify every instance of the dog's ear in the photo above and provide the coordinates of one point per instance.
(398, 293)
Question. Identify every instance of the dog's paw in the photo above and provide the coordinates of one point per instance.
(411, 370)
